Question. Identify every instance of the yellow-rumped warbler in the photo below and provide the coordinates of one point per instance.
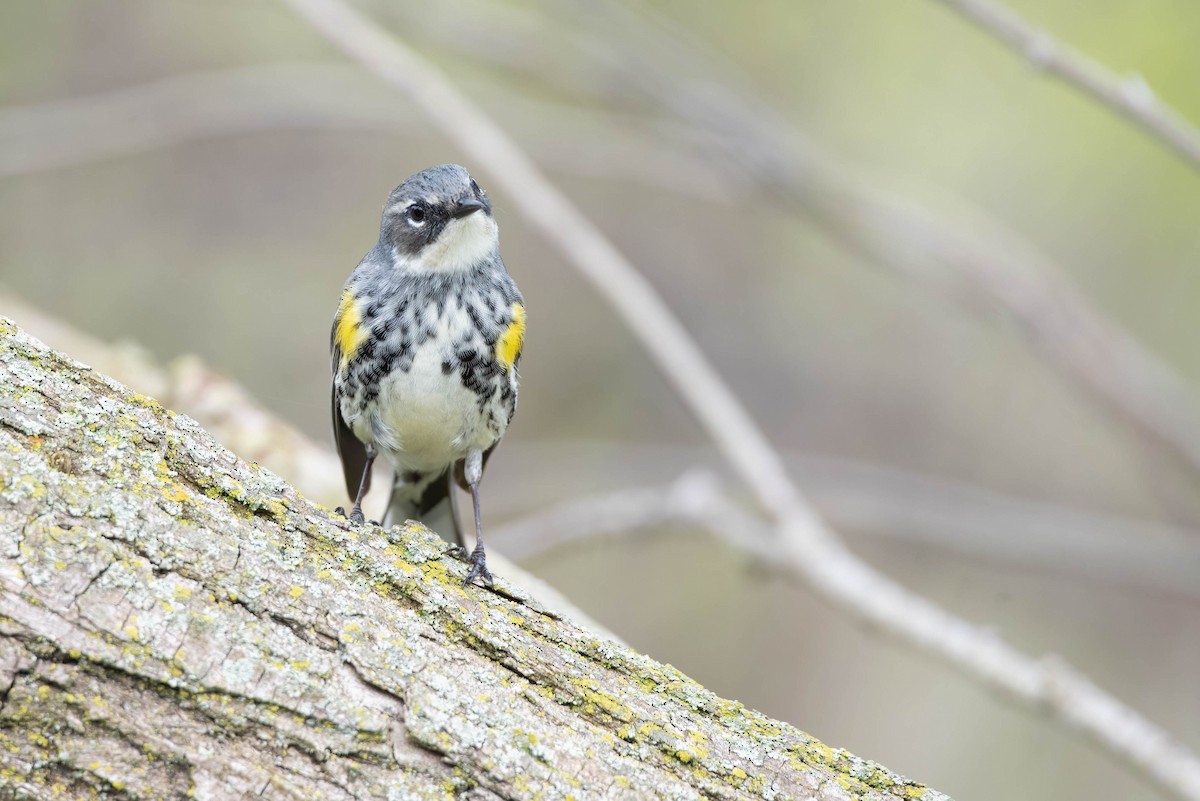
(425, 346)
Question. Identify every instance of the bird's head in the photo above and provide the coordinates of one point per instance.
(439, 220)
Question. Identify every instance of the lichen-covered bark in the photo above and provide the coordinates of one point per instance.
(175, 622)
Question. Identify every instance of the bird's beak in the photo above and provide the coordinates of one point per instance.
(467, 205)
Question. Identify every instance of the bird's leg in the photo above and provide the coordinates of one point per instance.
(356, 512)
(478, 559)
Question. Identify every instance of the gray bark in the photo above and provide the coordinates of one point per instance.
(175, 622)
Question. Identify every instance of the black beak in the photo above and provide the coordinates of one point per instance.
(467, 205)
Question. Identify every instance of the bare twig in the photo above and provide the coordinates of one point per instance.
(872, 501)
(314, 96)
(695, 497)
(805, 543)
(982, 262)
(1128, 96)
(225, 102)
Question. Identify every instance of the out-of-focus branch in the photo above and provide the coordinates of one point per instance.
(313, 96)
(981, 262)
(695, 497)
(805, 544)
(1129, 97)
(873, 502)
(224, 102)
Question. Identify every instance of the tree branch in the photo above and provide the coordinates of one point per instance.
(176, 622)
(1129, 97)
(314, 96)
(876, 503)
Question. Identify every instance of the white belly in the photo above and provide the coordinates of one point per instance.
(424, 419)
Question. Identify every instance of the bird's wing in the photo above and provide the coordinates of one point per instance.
(352, 452)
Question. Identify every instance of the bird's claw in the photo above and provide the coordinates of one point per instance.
(478, 562)
(476, 559)
(355, 516)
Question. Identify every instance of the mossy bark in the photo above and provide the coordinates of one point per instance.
(175, 623)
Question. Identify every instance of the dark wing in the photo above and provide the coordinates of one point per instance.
(352, 452)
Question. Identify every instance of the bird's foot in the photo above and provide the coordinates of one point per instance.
(477, 559)
(479, 569)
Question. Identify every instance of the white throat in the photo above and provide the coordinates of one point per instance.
(462, 244)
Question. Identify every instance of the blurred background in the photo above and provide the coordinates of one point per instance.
(919, 262)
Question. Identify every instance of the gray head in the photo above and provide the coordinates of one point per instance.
(438, 220)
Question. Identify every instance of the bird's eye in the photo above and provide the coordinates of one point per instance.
(416, 215)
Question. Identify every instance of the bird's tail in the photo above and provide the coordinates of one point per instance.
(427, 497)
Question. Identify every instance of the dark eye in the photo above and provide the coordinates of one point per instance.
(416, 214)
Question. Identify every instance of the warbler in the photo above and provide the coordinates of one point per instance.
(425, 346)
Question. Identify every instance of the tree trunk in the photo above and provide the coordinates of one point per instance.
(176, 623)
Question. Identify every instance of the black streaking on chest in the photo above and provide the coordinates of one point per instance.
(405, 318)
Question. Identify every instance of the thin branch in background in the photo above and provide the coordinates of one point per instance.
(804, 543)
(314, 96)
(223, 102)
(695, 497)
(869, 501)
(1129, 97)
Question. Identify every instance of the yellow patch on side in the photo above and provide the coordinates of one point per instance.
(348, 332)
(508, 347)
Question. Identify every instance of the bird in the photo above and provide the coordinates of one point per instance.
(424, 348)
